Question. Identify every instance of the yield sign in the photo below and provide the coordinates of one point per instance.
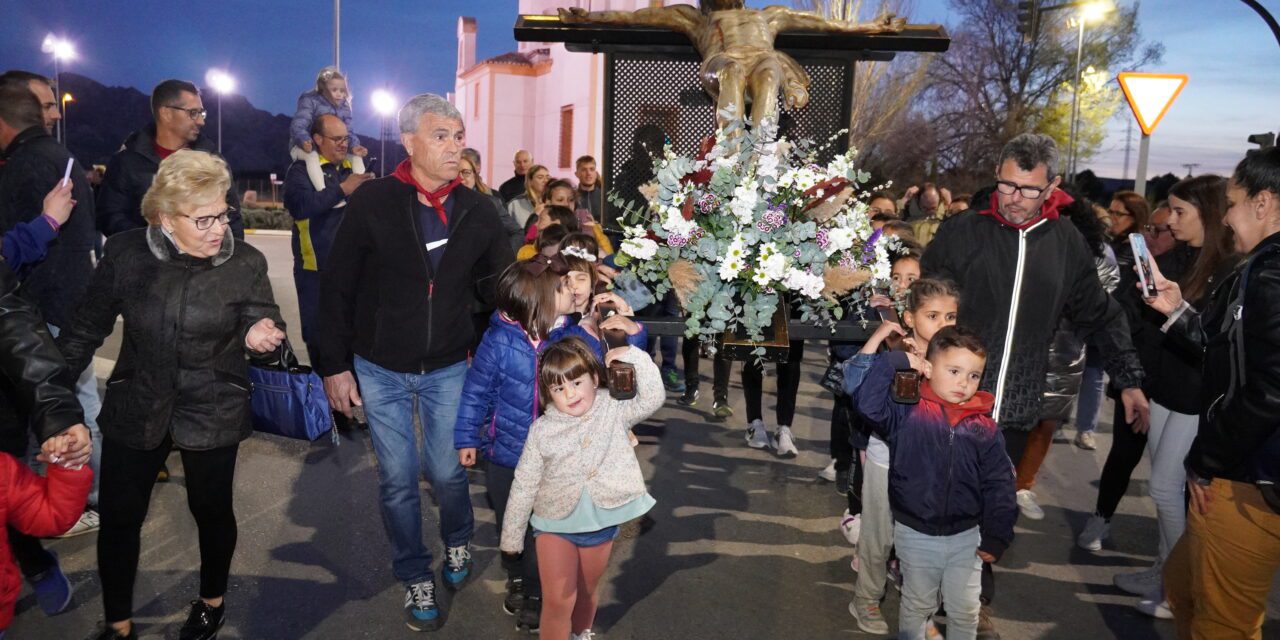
(1150, 94)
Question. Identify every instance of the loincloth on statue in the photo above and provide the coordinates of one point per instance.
(793, 79)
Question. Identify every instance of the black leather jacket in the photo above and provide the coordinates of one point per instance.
(182, 369)
(1238, 437)
(30, 361)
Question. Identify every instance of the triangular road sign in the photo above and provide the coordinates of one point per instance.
(1150, 94)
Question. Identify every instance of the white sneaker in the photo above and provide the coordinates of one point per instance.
(784, 444)
(88, 522)
(585, 635)
(868, 617)
(851, 527)
(1156, 607)
(1143, 582)
(1095, 531)
(828, 473)
(757, 436)
(1027, 505)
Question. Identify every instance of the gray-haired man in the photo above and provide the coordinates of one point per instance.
(394, 308)
(1021, 269)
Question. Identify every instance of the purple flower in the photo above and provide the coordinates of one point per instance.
(822, 238)
(675, 240)
(869, 249)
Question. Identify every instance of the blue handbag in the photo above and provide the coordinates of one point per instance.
(288, 399)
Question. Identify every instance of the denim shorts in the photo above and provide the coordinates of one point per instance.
(587, 539)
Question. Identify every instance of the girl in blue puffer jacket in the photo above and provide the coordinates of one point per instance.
(500, 398)
(330, 96)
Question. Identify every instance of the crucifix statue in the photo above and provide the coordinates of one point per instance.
(739, 63)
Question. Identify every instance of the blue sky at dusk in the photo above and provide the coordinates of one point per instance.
(275, 48)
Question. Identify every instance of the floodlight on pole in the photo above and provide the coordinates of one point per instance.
(1091, 11)
(384, 104)
(222, 83)
(66, 97)
(60, 49)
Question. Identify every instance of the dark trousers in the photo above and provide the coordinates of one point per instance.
(497, 481)
(788, 383)
(1015, 444)
(1126, 452)
(719, 369)
(128, 476)
(842, 416)
(308, 285)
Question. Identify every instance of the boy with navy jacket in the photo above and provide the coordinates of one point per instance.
(951, 484)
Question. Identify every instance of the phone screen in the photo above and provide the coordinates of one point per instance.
(1142, 259)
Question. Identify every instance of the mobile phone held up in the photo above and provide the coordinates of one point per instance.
(1142, 259)
(371, 165)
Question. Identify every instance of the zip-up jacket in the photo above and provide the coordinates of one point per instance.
(380, 296)
(949, 471)
(500, 395)
(1016, 283)
(315, 218)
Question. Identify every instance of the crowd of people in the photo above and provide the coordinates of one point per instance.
(487, 317)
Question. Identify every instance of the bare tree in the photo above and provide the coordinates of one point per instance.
(993, 85)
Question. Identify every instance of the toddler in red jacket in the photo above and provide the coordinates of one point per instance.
(37, 506)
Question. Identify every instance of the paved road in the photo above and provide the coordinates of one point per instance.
(745, 544)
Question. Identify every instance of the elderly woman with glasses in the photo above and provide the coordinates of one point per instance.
(195, 305)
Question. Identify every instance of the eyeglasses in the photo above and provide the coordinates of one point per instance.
(1009, 188)
(467, 173)
(338, 140)
(1156, 230)
(195, 112)
(204, 222)
(1121, 214)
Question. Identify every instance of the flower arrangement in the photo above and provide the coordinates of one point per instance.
(751, 220)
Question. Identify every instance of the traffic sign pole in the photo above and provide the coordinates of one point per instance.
(1140, 180)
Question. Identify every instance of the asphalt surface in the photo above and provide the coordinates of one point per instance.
(745, 544)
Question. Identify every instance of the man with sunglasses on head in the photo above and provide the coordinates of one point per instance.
(1020, 269)
(179, 115)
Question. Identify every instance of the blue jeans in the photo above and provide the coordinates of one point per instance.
(939, 564)
(91, 404)
(1090, 400)
(390, 401)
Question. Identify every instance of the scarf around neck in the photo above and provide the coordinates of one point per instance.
(404, 173)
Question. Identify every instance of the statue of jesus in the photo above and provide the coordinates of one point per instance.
(739, 63)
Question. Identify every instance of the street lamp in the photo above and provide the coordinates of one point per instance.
(66, 97)
(1091, 11)
(384, 104)
(61, 49)
(222, 83)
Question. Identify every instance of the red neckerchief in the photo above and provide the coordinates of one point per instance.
(981, 402)
(404, 173)
(1048, 211)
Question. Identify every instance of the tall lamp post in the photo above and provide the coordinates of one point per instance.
(61, 49)
(222, 83)
(384, 104)
(1091, 11)
(66, 131)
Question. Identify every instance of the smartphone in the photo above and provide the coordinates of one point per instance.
(1142, 258)
(605, 310)
(371, 165)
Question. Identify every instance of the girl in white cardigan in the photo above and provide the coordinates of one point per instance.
(578, 478)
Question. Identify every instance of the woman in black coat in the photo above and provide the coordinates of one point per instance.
(195, 303)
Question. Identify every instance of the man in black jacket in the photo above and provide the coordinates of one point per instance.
(1021, 269)
(179, 115)
(514, 188)
(411, 251)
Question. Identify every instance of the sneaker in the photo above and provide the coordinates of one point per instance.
(1085, 440)
(851, 527)
(868, 617)
(204, 621)
(1027, 505)
(931, 632)
(690, 397)
(1095, 531)
(515, 596)
(530, 614)
(107, 633)
(585, 635)
(1156, 607)
(986, 628)
(1141, 583)
(842, 482)
(828, 472)
(894, 572)
(721, 410)
(53, 590)
(88, 522)
(421, 612)
(457, 566)
(784, 443)
(757, 437)
(671, 380)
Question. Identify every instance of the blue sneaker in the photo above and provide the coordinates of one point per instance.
(457, 566)
(671, 380)
(53, 590)
(421, 612)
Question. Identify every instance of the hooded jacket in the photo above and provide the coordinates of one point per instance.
(1016, 282)
(949, 471)
(130, 173)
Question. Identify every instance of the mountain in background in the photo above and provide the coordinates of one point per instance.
(254, 143)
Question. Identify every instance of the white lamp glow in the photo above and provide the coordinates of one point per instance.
(383, 102)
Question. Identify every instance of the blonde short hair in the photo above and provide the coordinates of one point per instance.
(186, 178)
